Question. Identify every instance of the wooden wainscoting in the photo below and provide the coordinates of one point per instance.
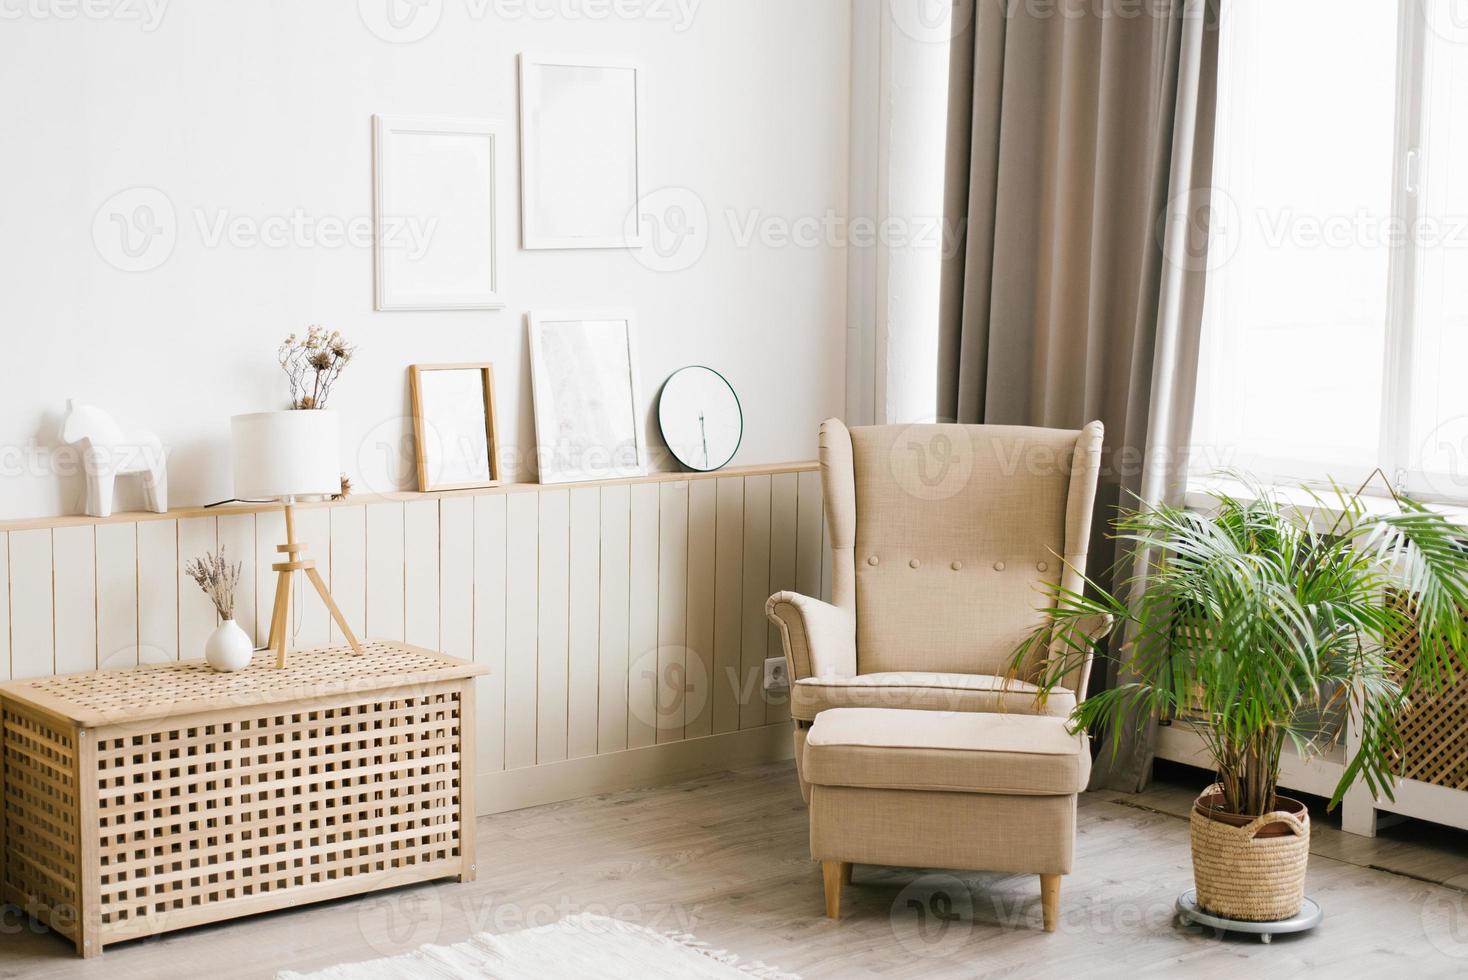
(623, 622)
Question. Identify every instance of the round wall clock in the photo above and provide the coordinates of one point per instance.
(700, 418)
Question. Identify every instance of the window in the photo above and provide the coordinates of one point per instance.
(1335, 329)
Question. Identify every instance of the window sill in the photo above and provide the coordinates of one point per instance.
(1202, 491)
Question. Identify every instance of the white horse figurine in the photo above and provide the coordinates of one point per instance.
(108, 452)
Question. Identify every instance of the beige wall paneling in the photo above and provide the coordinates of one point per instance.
(584, 575)
(237, 541)
(74, 553)
(197, 536)
(522, 518)
(32, 625)
(269, 532)
(612, 608)
(489, 628)
(348, 569)
(553, 603)
(642, 611)
(728, 611)
(117, 594)
(5, 606)
(703, 497)
(754, 641)
(385, 590)
(671, 666)
(784, 521)
(420, 573)
(158, 591)
(313, 529)
(456, 578)
(808, 535)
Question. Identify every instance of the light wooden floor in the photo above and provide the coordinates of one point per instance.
(725, 857)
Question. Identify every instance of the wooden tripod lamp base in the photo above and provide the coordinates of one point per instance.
(284, 573)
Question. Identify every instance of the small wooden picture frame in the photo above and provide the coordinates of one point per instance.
(454, 434)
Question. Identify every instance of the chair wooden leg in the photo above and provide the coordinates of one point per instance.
(836, 873)
(1050, 900)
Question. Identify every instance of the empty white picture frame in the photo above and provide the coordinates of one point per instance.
(580, 165)
(588, 422)
(435, 213)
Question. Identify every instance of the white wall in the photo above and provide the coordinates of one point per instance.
(261, 110)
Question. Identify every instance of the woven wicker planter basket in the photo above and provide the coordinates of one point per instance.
(1243, 874)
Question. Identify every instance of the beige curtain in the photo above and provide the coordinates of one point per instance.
(1079, 152)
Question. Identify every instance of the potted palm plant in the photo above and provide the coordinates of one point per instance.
(1261, 623)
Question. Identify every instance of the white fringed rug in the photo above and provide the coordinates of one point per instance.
(577, 946)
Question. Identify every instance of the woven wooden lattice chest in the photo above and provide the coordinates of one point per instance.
(154, 798)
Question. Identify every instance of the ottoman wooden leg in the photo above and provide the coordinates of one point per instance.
(1050, 900)
(836, 874)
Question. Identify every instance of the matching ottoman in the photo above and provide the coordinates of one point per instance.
(937, 789)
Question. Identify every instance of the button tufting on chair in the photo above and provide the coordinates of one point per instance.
(872, 560)
(999, 566)
(1043, 566)
(914, 563)
(957, 566)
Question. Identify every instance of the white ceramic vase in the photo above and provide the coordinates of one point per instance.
(229, 648)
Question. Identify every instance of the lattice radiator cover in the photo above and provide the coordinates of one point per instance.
(157, 798)
(1435, 726)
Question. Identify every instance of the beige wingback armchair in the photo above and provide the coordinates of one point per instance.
(942, 539)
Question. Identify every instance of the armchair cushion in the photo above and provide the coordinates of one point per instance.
(922, 690)
(1012, 755)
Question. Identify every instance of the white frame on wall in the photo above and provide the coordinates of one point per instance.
(549, 468)
(484, 295)
(531, 236)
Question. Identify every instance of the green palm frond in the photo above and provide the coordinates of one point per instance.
(1263, 628)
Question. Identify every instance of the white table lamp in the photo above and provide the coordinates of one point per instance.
(282, 456)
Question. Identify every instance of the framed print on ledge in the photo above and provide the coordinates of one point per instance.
(583, 372)
(454, 435)
(435, 213)
(580, 169)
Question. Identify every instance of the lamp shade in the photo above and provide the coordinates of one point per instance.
(286, 454)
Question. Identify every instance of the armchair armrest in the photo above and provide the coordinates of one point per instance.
(1074, 649)
(819, 638)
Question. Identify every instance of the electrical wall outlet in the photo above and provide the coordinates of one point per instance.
(776, 678)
